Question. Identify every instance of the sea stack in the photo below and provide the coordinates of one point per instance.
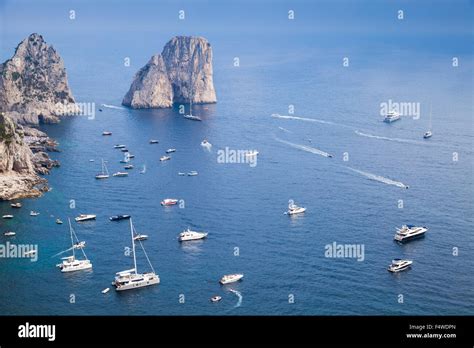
(33, 84)
(181, 72)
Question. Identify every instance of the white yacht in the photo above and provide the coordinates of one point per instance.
(231, 278)
(34, 213)
(8, 216)
(154, 141)
(59, 221)
(409, 232)
(71, 263)
(131, 279)
(192, 173)
(205, 143)
(165, 158)
(169, 201)
(293, 209)
(140, 237)
(120, 146)
(104, 174)
(188, 235)
(85, 217)
(120, 174)
(16, 205)
(106, 133)
(181, 173)
(9, 234)
(128, 166)
(391, 116)
(399, 265)
(170, 150)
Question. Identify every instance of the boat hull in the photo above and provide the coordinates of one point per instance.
(410, 238)
(81, 267)
(140, 284)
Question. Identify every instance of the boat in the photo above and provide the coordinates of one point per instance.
(131, 279)
(216, 298)
(101, 110)
(124, 150)
(125, 160)
(120, 146)
(409, 232)
(59, 222)
(120, 174)
(8, 216)
(119, 217)
(190, 116)
(71, 263)
(391, 116)
(399, 265)
(251, 153)
(91, 160)
(192, 173)
(231, 278)
(106, 133)
(205, 143)
(170, 150)
(181, 173)
(9, 234)
(106, 290)
(154, 141)
(188, 235)
(165, 158)
(34, 213)
(130, 155)
(294, 209)
(193, 118)
(140, 237)
(16, 205)
(30, 252)
(85, 217)
(428, 134)
(128, 166)
(104, 174)
(169, 201)
(79, 245)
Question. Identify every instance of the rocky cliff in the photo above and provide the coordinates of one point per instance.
(182, 71)
(33, 83)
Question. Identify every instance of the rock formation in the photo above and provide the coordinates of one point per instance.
(33, 84)
(182, 71)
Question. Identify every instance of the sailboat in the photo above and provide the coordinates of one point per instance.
(71, 263)
(104, 174)
(131, 279)
(428, 133)
(191, 95)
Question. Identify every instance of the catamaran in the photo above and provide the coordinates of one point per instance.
(104, 174)
(131, 279)
(428, 133)
(71, 263)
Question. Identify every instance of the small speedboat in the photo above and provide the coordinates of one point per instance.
(294, 209)
(170, 150)
(119, 217)
(120, 146)
(399, 265)
(181, 173)
(8, 216)
(192, 173)
(124, 150)
(34, 213)
(427, 135)
(9, 234)
(193, 118)
(154, 141)
(131, 156)
(106, 290)
(169, 201)
(106, 133)
(59, 222)
(140, 237)
(216, 298)
(120, 174)
(128, 166)
(188, 235)
(85, 217)
(165, 158)
(205, 143)
(231, 278)
(16, 205)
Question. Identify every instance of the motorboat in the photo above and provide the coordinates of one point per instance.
(154, 141)
(192, 173)
(16, 205)
(124, 150)
(120, 174)
(428, 134)
(72, 263)
(294, 209)
(391, 116)
(128, 166)
(409, 232)
(193, 117)
(104, 174)
(120, 146)
(181, 173)
(165, 158)
(106, 133)
(399, 265)
(216, 298)
(34, 213)
(140, 237)
(205, 143)
(131, 279)
(169, 201)
(188, 235)
(170, 150)
(8, 216)
(119, 217)
(131, 156)
(85, 217)
(106, 290)
(231, 278)
(9, 234)
(59, 222)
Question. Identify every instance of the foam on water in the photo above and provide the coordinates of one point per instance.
(304, 148)
(379, 178)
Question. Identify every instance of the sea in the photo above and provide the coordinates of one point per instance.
(298, 91)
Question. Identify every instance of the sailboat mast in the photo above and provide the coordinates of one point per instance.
(72, 240)
(133, 247)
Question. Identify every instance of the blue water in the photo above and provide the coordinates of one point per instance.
(241, 206)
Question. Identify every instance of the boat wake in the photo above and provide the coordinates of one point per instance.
(408, 141)
(284, 130)
(305, 148)
(113, 107)
(239, 295)
(287, 117)
(379, 178)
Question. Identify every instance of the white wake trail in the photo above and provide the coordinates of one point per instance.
(287, 117)
(285, 130)
(113, 107)
(379, 178)
(239, 295)
(304, 148)
(408, 141)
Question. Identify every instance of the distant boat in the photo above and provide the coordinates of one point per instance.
(119, 217)
(165, 158)
(399, 265)
(34, 213)
(16, 205)
(169, 201)
(128, 166)
(188, 235)
(190, 116)
(215, 298)
(124, 149)
(59, 222)
(104, 174)
(391, 116)
(106, 290)
(100, 110)
(131, 279)
(143, 171)
(205, 143)
(428, 134)
(170, 150)
(106, 133)
(85, 217)
(9, 234)
(294, 209)
(154, 141)
(192, 173)
(120, 146)
(409, 232)
(231, 278)
(71, 263)
(251, 153)
(8, 216)
(120, 174)
(193, 118)
(181, 173)
(130, 155)
(140, 237)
